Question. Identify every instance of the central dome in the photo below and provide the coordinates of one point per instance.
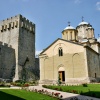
(83, 23)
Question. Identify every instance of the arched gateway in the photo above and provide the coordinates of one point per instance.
(61, 73)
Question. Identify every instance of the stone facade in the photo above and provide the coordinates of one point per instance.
(19, 32)
(72, 59)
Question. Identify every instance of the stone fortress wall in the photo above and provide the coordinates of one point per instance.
(7, 61)
(19, 32)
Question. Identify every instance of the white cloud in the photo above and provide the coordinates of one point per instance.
(77, 1)
(98, 5)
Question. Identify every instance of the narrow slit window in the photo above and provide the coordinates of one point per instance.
(95, 75)
(0, 50)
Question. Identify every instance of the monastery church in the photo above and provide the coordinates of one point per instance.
(74, 58)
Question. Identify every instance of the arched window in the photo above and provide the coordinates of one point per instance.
(60, 51)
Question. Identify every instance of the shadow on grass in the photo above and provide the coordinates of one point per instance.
(85, 96)
(95, 94)
(80, 97)
(5, 96)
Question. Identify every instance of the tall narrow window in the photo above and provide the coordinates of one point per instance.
(70, 35)
(0, 50)
(95, 75)
(60, 51)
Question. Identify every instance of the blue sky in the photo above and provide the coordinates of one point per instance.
(52, 16)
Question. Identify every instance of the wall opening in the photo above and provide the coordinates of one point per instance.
(62, 75)
(60, 51)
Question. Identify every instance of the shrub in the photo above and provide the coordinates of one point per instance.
(60, 89)
(57, 94)
(18, 84)
(61, 96)
(81, 93)
(4, 84)
(19, 81)
(85, 85)
(74, 91)
(56, 89)
(26, 85)
(44, 86)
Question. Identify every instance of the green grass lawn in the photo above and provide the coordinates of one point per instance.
(92, 90)
(10, 94)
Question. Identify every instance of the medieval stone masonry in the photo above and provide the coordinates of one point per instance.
(17, 62)
(7, 61)
(74, 58)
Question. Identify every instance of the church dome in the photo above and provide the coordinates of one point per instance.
(83, 23)
(69, 27)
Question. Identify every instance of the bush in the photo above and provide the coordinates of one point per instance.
(4, 85)
(85, 85)
(20, 84)
(26, 85)
(44, 86)
(19, 81)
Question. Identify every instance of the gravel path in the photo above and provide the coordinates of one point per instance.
(66, 96)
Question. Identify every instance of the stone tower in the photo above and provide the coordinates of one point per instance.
(19, 32)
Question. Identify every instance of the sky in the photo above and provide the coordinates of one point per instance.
(52, 16)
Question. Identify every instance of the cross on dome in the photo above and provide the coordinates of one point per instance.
(83, 23)
(68, 23)
(82, 19)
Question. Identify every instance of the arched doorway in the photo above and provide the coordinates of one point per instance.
(61, 73)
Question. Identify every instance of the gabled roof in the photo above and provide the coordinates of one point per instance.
(62, 40)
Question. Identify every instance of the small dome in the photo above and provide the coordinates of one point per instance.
(82, 23)
(69, 27)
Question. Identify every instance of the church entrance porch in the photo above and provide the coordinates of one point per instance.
(62, 76)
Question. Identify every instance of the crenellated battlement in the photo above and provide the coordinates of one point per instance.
(26, 24)
(5, 44)
(16, 22)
